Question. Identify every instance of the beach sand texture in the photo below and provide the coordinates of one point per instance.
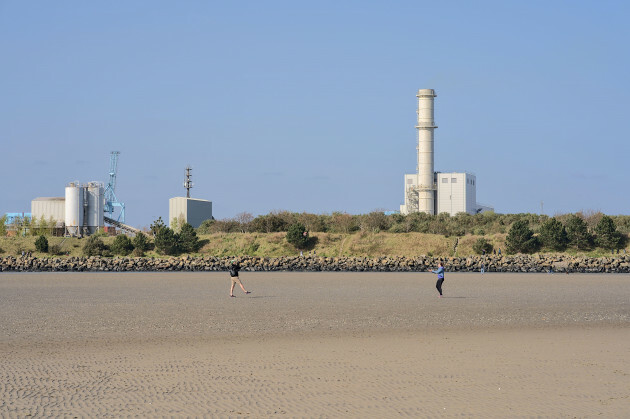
(314, 345)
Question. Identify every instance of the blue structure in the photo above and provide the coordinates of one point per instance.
(110, 195)
(12, 216)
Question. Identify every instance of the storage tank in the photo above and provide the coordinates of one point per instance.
(74, 209)
(95, 206)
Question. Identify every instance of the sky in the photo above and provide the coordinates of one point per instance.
(310, 106)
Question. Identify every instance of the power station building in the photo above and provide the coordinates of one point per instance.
(434, 192)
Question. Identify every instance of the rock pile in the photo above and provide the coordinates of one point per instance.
(492, 263)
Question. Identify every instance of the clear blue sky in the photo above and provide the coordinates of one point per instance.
(310, 106)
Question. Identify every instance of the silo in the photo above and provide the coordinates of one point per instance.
(95, 206)
(426, 126)
(74, 209)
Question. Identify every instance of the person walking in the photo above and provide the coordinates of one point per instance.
(440, 274)
(234, 268)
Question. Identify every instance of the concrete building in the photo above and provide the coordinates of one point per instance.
(49, 208)
(456, 192)
(434, 192)
(193, 211)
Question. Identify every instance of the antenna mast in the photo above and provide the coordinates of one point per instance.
(188, 183)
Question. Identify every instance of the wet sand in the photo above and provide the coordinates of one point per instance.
(314, 345)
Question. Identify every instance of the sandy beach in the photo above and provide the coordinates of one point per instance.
(314, 345)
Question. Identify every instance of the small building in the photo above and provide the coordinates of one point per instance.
(193, 211)
(456, 192)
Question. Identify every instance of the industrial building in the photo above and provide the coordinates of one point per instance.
(193, 211)
(85, 208)
(434, 192)
(50, 209)
(190, 210)
(80, 212)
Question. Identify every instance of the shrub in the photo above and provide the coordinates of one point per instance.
(55, 250)
(482, 244)
(577, 233)
(188, 240)
(122, 245)
(94, 246)
(521, 238)
(157, 226)
(41, 244)
(137, 252)
(375, 222)
(607, 235)
(166, 241)
(553, 235)
(298, 236)
(141, 242)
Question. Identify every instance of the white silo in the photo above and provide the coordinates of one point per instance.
(426, 126)
(95, 206)
(74, 208)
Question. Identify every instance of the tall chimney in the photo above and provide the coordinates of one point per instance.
(426, 126)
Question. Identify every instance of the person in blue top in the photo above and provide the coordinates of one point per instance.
(440, 274)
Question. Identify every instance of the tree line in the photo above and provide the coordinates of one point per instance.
(556, 235)
(458, 225)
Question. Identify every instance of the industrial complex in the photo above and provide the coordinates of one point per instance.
(87, 207)
(434, 192)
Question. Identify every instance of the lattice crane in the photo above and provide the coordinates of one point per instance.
(111, 201)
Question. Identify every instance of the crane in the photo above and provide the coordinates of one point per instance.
(111, 200)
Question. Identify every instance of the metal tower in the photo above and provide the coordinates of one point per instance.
(110, 195)
(188, 183)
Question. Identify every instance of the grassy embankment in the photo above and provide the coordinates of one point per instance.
(275, 244)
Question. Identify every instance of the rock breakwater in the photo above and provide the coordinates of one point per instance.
(492, 263)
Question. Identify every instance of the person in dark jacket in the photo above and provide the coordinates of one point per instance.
(440, 273)
(234, 268)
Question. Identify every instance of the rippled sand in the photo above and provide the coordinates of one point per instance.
(314, 345)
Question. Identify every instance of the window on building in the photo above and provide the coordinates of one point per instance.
(453, 180)
(409, 181)
(444, 180)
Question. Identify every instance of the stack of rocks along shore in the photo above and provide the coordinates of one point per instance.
(491, 263)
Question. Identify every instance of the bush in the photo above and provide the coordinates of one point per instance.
(298, 236)
(137, 252)
(55, 250)
(375, 222)
(94, 246)
(482, 244)
(577, 233)
(188, 240)
(141, 242)
(122, 245)
(520, 238)
(166, 241)
(41, 244)
(607, 235)
(553, 235)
